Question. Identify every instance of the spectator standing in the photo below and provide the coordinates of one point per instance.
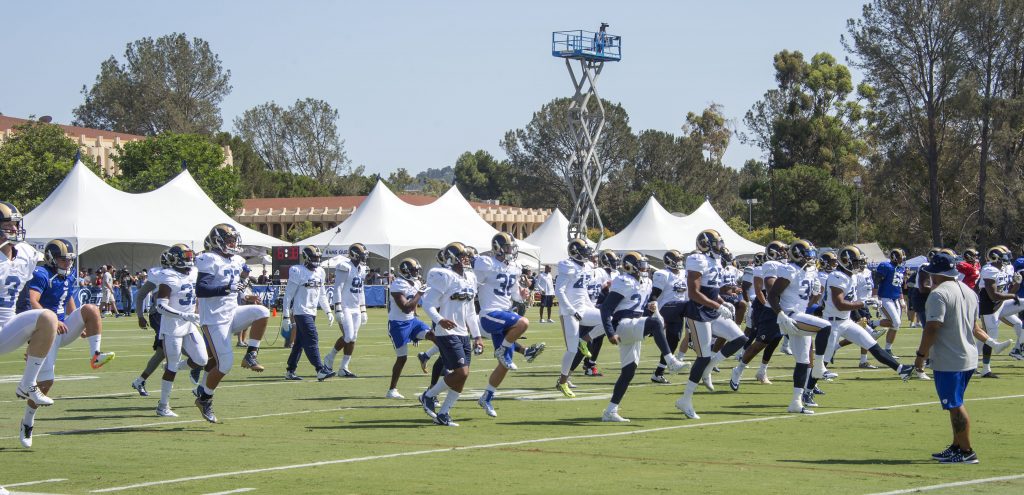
(545, 284)
(124, 277)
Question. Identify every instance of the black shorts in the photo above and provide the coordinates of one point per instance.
(154, 323)
(858, 314)
(766, 326)
(455, 350)
(546, 301)
(673, 313)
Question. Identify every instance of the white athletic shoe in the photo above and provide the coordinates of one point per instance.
(999, 347)
(613, 417)
(796, 407)
(762, 377)
(1017, 353)
(673, 364)
(393, 394)
(34, 394)
(708, 383)
(785, 348)
(734, 380)
(687, 408)
(329, 360)
(25, 435)
(921, 375)
(165, 411)
(830, 375)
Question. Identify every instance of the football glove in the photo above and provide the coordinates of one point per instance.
(870, 302)
(364, 317)
(1017, 278)
(192, 318)
(786, 324)
(286, 325)
(727, 311)
(330, 318)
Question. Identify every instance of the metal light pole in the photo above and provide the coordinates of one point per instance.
(750, 211)
(856, 206)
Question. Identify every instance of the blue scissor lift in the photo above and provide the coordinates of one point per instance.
(589, 50)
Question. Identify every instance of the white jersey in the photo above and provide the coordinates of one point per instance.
(599, 277)
(154, 276)
(544, 284)
(406, 288)
(848, 285)
(14, 274)
(864, 284)
(571, 286)
(731, 275)
(1002, 277)
(348, 283)
(182, 299)
(306, 290)
(450, 297)
(798, 292)
(672, 286)
(221, 272)
(748, 276)
(498, 282)
(710, 273)
(635, 293)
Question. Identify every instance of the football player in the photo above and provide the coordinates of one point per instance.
(709, 316)
(349, 305)
(179, 323)
(153, 276)
(732, 292)
(605, 270)
(788, 298)
(627, 316)
(889, 289)
(970, 268)
(449, 302)
(767, 333)
(668, 289)
(222, 276)
(306, 290)
(840, 299)
(998, 301)
(497, 274)
(576, 312)
(38, 327)
(403, 325)
(51, 288)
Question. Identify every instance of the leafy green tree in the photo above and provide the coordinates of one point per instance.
(170, 84)
(302, 231)
(761, 235)
(149, 164)
(913, 54)
(481, 176)
(400, 180)
(435, 187)
(35, 159)
(814, 204)
(301, 139)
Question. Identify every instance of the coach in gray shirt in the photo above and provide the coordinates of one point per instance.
(951, 315)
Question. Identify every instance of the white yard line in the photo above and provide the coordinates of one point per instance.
(954, 484)
(520, 442)
(30, 483)
(237, 490)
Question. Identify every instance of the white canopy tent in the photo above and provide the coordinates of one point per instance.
(654, 230)
(108, 226)
(552, 238)
(873, 251)
(390, 227)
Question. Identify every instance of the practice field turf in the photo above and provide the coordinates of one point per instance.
(872, 432)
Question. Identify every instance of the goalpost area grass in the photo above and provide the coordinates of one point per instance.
(872, 432)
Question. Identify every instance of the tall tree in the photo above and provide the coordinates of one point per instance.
(482, 176)
(149, 164)
(913, 55)
(170, 84)
(35, 160)
(302, 139)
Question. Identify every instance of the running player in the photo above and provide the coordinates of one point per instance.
(575, 310)
(179, 323)
(889, 288)
(153, 276)
(668, 289)
(349, 305)
(403, 325)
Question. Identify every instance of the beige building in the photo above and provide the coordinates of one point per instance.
(274, 216)
(96, 143)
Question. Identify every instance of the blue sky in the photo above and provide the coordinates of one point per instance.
(418, 83)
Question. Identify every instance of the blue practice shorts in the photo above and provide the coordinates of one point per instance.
(403, 332)
(546, 301)
(951, 386)
(766, 326)
(672, 313)
(495, 324)
(454, 349)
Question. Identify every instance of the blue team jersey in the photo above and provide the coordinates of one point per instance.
(1018, 266)
(54, 292)
(891, 286)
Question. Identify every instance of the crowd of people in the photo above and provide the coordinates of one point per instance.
(790, 297)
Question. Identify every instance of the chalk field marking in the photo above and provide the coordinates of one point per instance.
(62, 378)
(523, 442)
(239, 490)
(30, 483)
(952, 485)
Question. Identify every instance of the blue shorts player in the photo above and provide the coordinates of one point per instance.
(889, 278)
(403, 325)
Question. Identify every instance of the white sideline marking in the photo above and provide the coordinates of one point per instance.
(524, 442)
(951, 485)
(29, 483)
(62, 378)
(239, 490)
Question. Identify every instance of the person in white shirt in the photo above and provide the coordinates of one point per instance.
(152, 283)
(605, 270)
(403, 325)
(449, 302)
(305, 292)
(575, 310)
(349, 305)
(179, 324)
(627, 316)
(545, 284)
(668, 288)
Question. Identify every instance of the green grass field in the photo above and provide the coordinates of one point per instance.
(872, 433)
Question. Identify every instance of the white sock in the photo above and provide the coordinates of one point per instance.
(449, 401)
(987, 368)
(863, 358)
(491, 388)
(345, 359)
(798, 394)
(30, 416)
(94, 344)
(680, 354)
(438, 387)
(432, 351)
(33, 365)
(165, 391)
(567, 358)
(254, 343)
(690, 389)
(741, 365)
(612, 407)
(332, 353)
